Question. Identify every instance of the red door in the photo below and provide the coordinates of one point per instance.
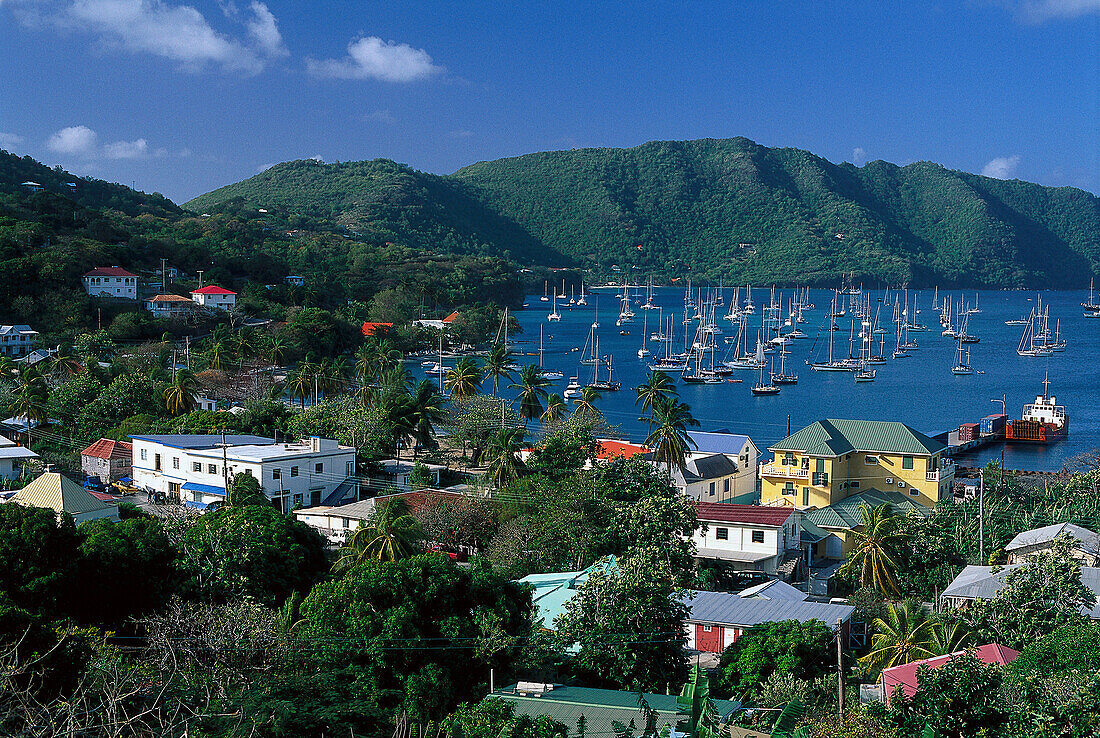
(708, 638)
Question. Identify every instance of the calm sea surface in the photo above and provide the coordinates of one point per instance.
(920, 391)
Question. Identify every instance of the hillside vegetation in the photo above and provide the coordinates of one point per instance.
(715, 208)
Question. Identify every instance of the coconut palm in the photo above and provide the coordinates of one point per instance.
(875, 541)
(501, 455)
(216, 354)
(65, 364)
(275, 348)
(179, 396)
(300, 383)
(392, 533)
(657, 386)
(496, 365)
(556, 410)
(902, 635)
(951, 637)
(668, 436)
(396, 378)
(532, 391)
(464, 380)
(427, 410)
(585, 406)
(31, 396)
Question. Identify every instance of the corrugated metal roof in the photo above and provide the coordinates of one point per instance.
(105, 448)
(201, 441)
(845, 513)
(58, 493)
(980, 582)
(771, 516)
(905, 675)
(718, 443)
(838, 437)
(728, 609)
(1087, 540)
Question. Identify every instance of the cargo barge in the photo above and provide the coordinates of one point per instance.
(1042, 422)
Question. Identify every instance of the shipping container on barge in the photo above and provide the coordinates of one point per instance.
(1043, 421)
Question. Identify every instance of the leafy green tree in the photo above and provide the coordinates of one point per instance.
(961, 698)
(790, 647)
(873, 553)
(127, 395)
(1075, 646)
(392, 533)
(495, 718)
(420, 634)
(561, 455)
(904, 634)
(252, 551)
(927, 555)
(94, 346)
(627, 625)
(668, 435)
(1037, 598)
(40, 551)
(67, 400)
(245, 490)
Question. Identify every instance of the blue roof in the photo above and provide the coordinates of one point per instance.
(199, 441)
(718, 443)
(206, 489)
(553, 590)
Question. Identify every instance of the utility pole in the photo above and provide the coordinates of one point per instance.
(99, 312)
(840, 668)
(164, 275)
(200, 271)
(187, 350)
(788, 425)
(981, 518)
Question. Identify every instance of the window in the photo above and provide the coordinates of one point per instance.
(758, 536)
(175, 462)
(349, 468)
(276, 473)
(853, 485)
(906, 462)
(293, 471)
(707, 628)
(805, 496)
(722, 534)
(298, 500)
(347, 523)
(320, 467)
(196, 466)
(211, 468)
(913, 492)
(144, 455)
(712, 489)
(789, 460)
(788, 488)
(820, 466)
(156, 462)
(870, 459)
(726, 486)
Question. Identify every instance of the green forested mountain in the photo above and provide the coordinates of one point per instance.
(721, 208)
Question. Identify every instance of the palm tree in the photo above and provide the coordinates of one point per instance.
(874, 541)
(496, 365)
(426, 411)
(396, 378)
(950, 637)
(532, 391)
(392, 533)
(464, 380)
(31, 397)
(276, 348)
(300, 383)
(585, 406)
(215, 354)
(657, 386)
(501, 455)
(668, 436)
(65, 364)
(902, 635)
(179, 396)
(556, 410)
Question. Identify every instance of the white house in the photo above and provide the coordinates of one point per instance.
(17, 340)
(398, 473)
(215, 297)
(193, 468)
(13, 458)
(111, 282)
(337, 523)
(1086, 544)
(741, 452)
(169, 306)
(752, 538)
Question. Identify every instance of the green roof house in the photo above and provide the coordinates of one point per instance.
(59, 493)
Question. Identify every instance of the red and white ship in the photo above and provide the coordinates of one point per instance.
(1043, 421)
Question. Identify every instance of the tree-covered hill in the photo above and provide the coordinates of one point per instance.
(385, 201)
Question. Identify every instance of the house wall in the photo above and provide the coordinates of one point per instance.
(124, 287)
(16, 343)
(220, 302)
(11, 468)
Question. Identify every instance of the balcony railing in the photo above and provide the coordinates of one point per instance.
(791, 472)
(946, 470)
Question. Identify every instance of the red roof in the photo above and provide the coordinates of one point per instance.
(610, 450)
(451, 318)
(212, 289)
(771, 516)
(109, 272)
(105, 448)
(905, 676)
(369, 329)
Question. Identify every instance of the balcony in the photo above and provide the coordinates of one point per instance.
(947, 469)
(787, 472)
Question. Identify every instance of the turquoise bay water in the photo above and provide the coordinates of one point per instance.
(920, 391)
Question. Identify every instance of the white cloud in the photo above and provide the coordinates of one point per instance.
(138, 149)
(9, 140)
(179, 33)
(74, 141)
(372, 58)
(1003, 167)
(859, 156)
(1038, 11)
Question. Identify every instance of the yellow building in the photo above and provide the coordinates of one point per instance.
(868, 461)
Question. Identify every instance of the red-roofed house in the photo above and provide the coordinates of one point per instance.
(110, 282)
(439, 325)
(904, 677)
(369, 329)
(109, 460)
(762, 539)
(609, 450)
(213, 296)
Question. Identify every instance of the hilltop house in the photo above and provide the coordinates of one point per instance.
(214, 297)
(904, 677)
(169, 306)
(111, 282)
(17, 340)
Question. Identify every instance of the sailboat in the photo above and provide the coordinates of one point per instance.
(649, 297)
(1028, 345)
(643, 351)
(545, 291)
(783, 377)
(542, 372)
(864, 374)
(626, 315)
(582, 300)
(562, 295)
(1092, 308)
(832, 365)
(607, 385)
(554, 315)
(764, 389)
(962, 365)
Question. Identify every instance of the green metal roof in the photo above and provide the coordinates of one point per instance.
(845, 513)
(838, 437)
(602, 707)
(552, 591)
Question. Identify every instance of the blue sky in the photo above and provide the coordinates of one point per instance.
(182, 98)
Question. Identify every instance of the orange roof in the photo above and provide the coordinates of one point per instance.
(105, 448)
(169, 298)
(369, 329)
(609, 450)
(451, 318)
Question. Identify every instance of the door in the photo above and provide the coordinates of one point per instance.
(314, 497)
(708, 638)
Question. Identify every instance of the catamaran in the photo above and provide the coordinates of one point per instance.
(554, 315)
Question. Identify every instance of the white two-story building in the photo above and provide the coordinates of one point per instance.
(17, 340)
(759, 539)
(111, 282)
(194, 468)
(215, 297)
